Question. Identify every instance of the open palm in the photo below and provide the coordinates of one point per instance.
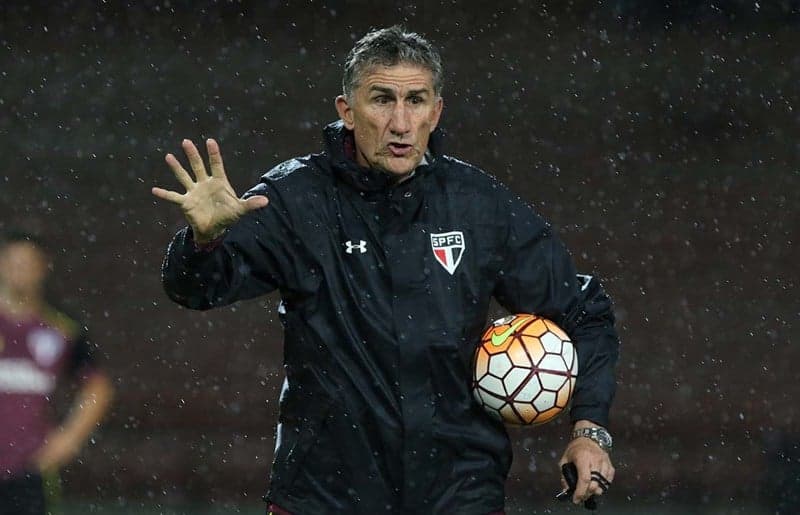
(210, 205)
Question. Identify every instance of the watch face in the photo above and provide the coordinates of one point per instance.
(603, 438)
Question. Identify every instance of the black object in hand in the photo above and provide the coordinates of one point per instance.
(570, 473)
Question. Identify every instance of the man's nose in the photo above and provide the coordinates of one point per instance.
(400, 124)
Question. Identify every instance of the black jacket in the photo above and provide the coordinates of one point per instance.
(376, 412)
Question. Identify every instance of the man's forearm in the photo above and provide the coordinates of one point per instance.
(192, 274)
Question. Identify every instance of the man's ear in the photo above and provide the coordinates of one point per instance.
(437, 112)
(345, 112)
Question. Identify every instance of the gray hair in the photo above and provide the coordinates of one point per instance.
(389, 47)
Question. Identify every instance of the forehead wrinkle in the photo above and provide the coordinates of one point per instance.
(416, 79)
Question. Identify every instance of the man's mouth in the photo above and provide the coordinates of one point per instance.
(400, 149)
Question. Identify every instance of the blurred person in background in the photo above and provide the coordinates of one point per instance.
(39, 347)
(376, 411)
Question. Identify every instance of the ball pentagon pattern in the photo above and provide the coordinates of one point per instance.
(524, 370)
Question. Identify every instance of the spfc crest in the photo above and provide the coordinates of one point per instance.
(448, 247)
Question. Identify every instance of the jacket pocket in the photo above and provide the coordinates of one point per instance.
(297, 438)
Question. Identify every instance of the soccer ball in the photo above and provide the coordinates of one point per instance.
(525, 370)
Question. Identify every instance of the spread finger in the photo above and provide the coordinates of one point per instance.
(195, 160)
(180, 173)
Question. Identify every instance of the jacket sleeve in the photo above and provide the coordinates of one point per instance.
(248, 261)
(538, 276)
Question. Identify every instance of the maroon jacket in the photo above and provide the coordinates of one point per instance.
(34, 354)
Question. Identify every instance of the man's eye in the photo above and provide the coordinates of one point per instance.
(416, 100)
(383, 99)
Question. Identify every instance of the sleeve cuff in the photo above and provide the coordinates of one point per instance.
(597, 414)
(208, 246)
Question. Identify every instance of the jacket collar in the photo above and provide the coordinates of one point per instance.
(340, 146)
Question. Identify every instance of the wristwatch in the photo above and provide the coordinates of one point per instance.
(597, 434)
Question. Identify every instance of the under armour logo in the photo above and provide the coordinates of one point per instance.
(362, 246)
(585, 280)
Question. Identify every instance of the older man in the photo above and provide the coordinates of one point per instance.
(376, 413)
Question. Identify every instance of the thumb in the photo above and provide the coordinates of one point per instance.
(255, 202)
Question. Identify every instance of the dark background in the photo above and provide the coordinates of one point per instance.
(661, 139)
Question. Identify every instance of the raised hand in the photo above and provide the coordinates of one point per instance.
(210, 205)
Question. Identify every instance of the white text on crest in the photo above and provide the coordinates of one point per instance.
(446, 241)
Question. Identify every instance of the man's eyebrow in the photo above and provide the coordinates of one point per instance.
(418, 92)
(382, 89)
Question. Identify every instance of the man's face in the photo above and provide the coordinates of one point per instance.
(392, 113)
(23, 267)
